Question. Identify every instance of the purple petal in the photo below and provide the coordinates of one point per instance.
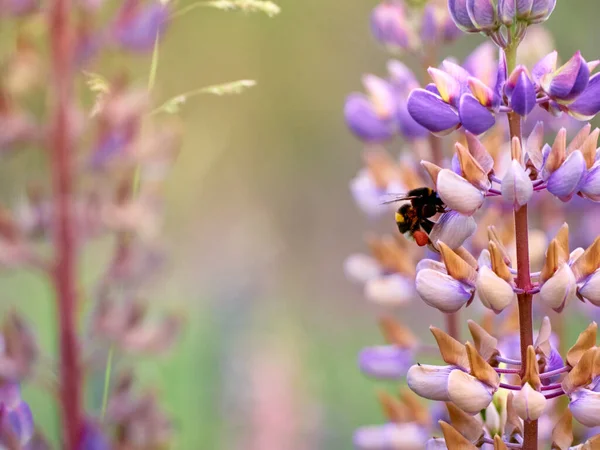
(564, 182)
(475, 117)
(460, 15)
(93, 438)
(137, 30)
(501, 76)
(429, 27)
(541, 10)
(524, 8)
(401, 77)
(430, 111)
(587, 104)
(585, 406)
(364, 122)
(544, 66)
(570, 80)
(523, 95)
(385, 362)
(21, 422)
(507, 11)
(590, 186)
(481, 63)
(483, 14)
(407, 126)
(388, 24)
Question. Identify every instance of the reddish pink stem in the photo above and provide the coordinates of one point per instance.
(61, 152)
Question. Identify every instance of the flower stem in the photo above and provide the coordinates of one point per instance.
(525, 303)
(64, 273)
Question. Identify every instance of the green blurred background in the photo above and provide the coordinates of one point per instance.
(259, 222)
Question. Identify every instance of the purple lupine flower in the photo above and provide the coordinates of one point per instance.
(521, 91)
(389, 24)
(138, 26)
(93, 438)
(404, 436)
(15, 414)
(403, 82)
(386, 361)
(371, 118)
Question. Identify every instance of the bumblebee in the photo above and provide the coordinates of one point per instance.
(413, 219)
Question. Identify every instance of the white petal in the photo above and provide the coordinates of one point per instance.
(458, 194)
(468, 393)
(436, 444)
(517, 188)
(361, 268)
(495, 293)
(484, 259)
(585, 406)
(441, 291)
(492, 419)
(453, 229)
(590, 289)
(529, 403)
(367, 195)
(431, 264)
(429, 381)
(390, 290)
(558, 291)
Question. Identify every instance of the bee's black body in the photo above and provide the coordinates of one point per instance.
(414, 216)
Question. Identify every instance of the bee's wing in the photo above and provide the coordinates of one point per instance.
(394, 198)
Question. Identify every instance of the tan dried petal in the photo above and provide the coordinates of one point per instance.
(452, 351)
(562, 433)
(471, 170)
(381, 166)
(485, 343)
(480, 368)
(562, 236)
(514, 424)
(391, 255)
(499, 443)
(558, 153)
(592, 443)
(542, 342)
(466, 424)
(551, 262)
(455, 440)
(498, 263)
(596, 364)
(396, 334)
(581, 374)
(511, 323)
(494, 237)
(587, 263)
(532, 371)
(418, 412)
(457, 267)
(466, 255)
(579, 139)
(589, 148)
(393, 409)
(479, 152)
(432, 170)
(516, 152)
(585, 341)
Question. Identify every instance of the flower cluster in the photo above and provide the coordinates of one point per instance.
(489, 258)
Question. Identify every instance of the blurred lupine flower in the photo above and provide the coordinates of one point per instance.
(408, 427)
(18, 128)
(389, 24)
(93, 438)
(371, 118)
(437, 25)
(16, 418)
(393, 360)
(138, 25)
(18, 7)
(403, 81)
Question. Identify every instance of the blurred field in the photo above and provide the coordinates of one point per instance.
(259, 221)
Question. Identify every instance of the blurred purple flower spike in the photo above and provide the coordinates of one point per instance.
(386, 361)
(138, 26)
(389, 26)
(93, 438)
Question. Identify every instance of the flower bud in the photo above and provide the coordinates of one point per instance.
(460, 15)
(468, 393)
(390, 290)
(429, 381)
(517, 188)
(385, 361)
(404, 436)
(541, 10)
(568, 81)
(494, 292)
(529, 403)
(483, 14)
(441, 291)
(389, 25)
(458, 194)
(585, 406)
(560, 289)
(521, 91)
